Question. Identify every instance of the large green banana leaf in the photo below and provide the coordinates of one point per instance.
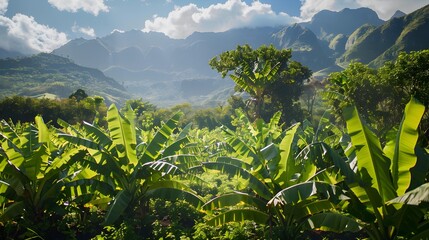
(239, 215)
(302, 191)
(123, 134)
(234, 161)
(373, 165)
(153, 150)
(7, 132)
(414, 197)
(121, 201)
(339, 162)
(287, 166)
(231, 199)
(308, 207)
(13, 154)
(42, 129)
(239, 146)
(401, 148)
(79, 141)
(332, 221)
(97, 135)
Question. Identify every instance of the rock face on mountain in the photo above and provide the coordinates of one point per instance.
(376, 45)
(338, 43)
(398, 14)
(358, 35)
(306, 47)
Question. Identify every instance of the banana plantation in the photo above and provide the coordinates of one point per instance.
(260, 180)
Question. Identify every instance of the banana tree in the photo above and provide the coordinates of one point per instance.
(136, 171)
(384, 174)
(33, 173)
(255, 80)
(280, 189)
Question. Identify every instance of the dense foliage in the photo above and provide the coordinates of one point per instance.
(139, 172)
(380, 94)
(273, 81)
(24, 109)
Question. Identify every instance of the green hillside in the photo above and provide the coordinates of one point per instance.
(54, 76)
(377, 45)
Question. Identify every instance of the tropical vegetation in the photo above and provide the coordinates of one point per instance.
(139, 172)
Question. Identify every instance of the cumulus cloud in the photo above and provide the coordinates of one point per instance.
(23, 34)
(3, 6)
(88, 31)
(90, 6)
(384, 8)
(183, 21)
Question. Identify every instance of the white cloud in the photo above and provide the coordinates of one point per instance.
(90, 6)
(183, 21)
(3, 6)
(384, 8)
(23, 34)
(90, 32)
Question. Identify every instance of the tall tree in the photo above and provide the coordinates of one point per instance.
(381, 94)
(273, 81)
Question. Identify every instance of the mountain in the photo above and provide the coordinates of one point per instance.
(48, 74)
(398, 14)
(306, 47)
(338, 43)
(169, 71)
(157, 68)
(374, 46)
(328, 24)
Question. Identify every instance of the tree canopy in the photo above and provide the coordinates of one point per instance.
(273, 81)
(380, 95)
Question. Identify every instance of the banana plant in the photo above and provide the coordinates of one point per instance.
(135, 171)
(255, 79)
(279, 189)
(33, 172)
(385, 174)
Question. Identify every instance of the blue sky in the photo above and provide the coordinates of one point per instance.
(32, 26)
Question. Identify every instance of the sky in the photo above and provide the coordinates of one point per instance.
(32, 26)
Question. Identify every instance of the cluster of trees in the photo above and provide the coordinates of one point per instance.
(381, 94)
(76, 109)
(245, 171)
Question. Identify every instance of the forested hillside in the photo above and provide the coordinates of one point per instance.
(48, 75)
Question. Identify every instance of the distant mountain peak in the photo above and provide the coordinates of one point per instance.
(327, 24)
(398, 14)
(374, 46)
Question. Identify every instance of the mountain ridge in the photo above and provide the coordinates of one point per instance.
(407, 33)
(155, 67)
